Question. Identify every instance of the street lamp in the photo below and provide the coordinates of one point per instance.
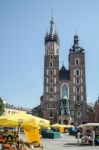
(20, 122)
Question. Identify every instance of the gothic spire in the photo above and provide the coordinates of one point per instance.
(52, 34)
(52, 27)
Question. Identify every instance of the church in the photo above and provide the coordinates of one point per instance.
(64, 97)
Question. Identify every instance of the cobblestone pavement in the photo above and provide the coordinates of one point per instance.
(66, 142)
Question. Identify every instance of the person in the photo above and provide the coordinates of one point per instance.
(93, 136)
(78, 137)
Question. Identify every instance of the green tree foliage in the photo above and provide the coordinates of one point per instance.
(1, 106)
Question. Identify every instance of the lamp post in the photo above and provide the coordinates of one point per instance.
(20, 122)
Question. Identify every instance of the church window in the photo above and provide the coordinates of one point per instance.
(78, 90)
(51, 89)
(64, 90)
(51, 57)
(78, 113)
(51, 50)
(51, 72)
(77, 80)
(51, 80)
(51, 64)
(77, 72)
(78, 98)
(77, 61)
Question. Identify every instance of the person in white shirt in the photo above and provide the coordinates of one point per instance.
(93, 136)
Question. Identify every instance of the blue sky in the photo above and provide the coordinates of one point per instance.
(23, 25)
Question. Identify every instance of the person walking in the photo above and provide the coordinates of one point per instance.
(78, 137)
(93, 136)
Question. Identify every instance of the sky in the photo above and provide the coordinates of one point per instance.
(23, 26)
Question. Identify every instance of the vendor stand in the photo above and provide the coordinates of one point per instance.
(86, 138)
(30, 124)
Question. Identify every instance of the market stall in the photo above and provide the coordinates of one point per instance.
(30, 124)
(86, 138)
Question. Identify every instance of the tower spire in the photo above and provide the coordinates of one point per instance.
(52, 34)
(52, 27)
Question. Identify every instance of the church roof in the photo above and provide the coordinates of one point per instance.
(64, 74)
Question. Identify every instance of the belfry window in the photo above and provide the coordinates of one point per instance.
(77, 72)
(51, 57)
(78, 90)
(77, 61)
(51, 64)
(51, 72)
(78, 98)
(51, 89)
(51, 80)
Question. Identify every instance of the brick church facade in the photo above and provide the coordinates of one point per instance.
(68, 85)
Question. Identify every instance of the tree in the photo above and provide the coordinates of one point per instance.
(1, 106)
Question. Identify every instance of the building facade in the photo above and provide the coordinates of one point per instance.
(63, 83)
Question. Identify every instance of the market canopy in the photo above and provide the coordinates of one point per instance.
(89, 125)
(23, 120)
(61, 125)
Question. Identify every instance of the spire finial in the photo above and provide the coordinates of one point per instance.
(63, 63)
(52, 12)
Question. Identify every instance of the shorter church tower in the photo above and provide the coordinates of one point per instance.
(50, 98)
(78, 82)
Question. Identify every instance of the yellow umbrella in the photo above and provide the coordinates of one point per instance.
(29, 123)
(18, 119)
(56, 125)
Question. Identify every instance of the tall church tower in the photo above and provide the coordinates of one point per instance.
(50, 98)
(78, 82)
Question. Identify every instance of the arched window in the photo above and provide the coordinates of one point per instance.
(51, 80)
(51, 56)
(77, 72)
(51, 72)
(77, 61)
(51, 50)
(78, 90)
(78, 98)
(78, 113)
(77, 81)
(51, 89)
(64, 90)
(51, 64)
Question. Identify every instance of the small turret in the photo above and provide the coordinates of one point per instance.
(76, 48)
